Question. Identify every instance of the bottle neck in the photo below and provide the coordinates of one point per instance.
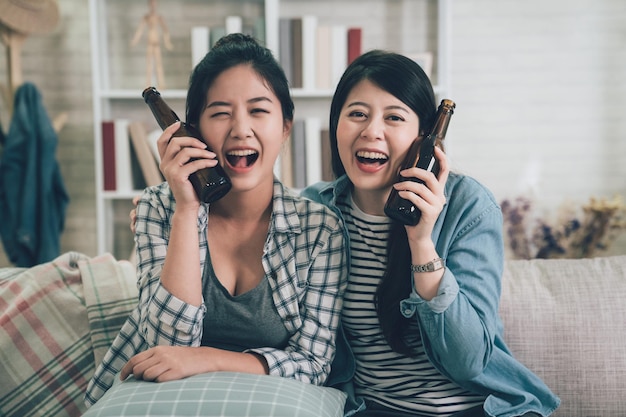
(444, 113)
(441, 125)
(163, 114)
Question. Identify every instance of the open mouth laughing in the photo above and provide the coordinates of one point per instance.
(371, 158)
(242, 158)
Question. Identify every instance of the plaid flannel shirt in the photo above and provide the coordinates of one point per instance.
(304, 259)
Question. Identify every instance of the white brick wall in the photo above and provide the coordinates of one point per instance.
(540, 90)
(539, 86)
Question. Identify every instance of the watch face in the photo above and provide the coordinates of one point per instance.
(436, 264)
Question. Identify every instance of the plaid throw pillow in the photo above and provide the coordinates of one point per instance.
(219, 394)
(57, 320)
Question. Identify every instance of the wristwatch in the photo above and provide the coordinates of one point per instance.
(434, 265)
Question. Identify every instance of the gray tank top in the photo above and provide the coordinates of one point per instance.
(241, 322)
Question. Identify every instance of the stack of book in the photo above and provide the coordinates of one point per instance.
(306, 158)
(204, 37)
(314, 56)
(130, 156)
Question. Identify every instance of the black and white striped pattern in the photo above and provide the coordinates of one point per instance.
(409, 384)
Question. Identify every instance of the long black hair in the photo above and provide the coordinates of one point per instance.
(404, 79)
(230, 51)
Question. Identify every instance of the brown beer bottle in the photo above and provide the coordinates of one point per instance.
(210, 184)
(422, 155)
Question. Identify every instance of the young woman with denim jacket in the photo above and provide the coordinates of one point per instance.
(416, 343)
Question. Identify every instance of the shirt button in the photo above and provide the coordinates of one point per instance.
(408, 311)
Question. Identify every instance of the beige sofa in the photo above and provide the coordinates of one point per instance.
(565, 319)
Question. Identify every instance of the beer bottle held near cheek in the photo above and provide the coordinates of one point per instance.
(421, 154)
(210, 184)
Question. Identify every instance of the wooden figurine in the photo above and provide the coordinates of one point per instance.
(156, 27)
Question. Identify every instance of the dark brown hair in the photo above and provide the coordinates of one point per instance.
(404, 79)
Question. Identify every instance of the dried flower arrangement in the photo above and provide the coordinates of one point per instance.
(581, 232)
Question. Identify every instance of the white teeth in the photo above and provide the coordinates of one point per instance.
(371, 155)
(242, 152)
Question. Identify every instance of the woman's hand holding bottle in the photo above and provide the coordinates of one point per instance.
(181, 156)
(428, 196)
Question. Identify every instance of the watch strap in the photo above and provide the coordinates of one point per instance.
(434, 265)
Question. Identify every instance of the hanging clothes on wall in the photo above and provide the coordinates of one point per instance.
(33, 198)
(1, 139)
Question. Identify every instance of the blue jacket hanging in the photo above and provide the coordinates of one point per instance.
(33, 198)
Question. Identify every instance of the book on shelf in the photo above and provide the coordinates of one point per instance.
(338, 52)
(285, 48)
(233, 24)
(217, 32)
(139, 182)
(203, 38)
(424, 60)
(259, 29)
(119, 158)
(298, 154)
(313, 149)
(152, 138)
(147, 161)
(200, 43)
(309, 51)
(327, 168)
(108, 155)
(305, 159)
(323, 79)
(285, 164)
(123, 162)
(354, 44)
(314, 55)
(296, 52)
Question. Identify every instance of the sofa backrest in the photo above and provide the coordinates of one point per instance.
(566, 321)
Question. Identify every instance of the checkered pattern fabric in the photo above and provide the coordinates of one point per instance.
(57, 320)
(304, 261)
(223, 394)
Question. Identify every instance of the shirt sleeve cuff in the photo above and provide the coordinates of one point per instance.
(176, 313)
(446, 293)
(269, 354)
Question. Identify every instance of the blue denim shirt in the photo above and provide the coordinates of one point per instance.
(460, 327)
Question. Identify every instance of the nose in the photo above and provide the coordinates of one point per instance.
(241, 127)
(374, 129)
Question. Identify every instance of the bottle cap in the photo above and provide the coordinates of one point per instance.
(446, 102)
(148, 92)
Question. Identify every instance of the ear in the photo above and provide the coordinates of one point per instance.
(287, 125)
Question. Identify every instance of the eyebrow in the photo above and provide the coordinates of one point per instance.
(251, 101)
(360, 103)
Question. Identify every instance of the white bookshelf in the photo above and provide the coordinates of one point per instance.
(406, 26)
